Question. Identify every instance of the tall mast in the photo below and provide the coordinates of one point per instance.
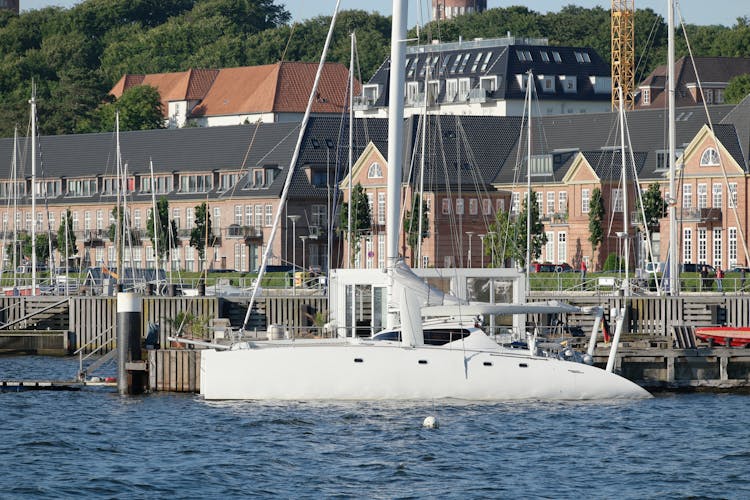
(157, 224)
(33, 188)
(530, 82)
(674, 240)
(625, 221)
(395, 133)
(118, 211)
(351, 155)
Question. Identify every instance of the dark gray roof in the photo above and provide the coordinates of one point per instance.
(595, 131)
(504, 61)
(608, 164)
(740, 118)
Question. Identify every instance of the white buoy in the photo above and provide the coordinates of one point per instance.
(430, 423)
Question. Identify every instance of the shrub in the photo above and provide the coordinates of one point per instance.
(612, 263)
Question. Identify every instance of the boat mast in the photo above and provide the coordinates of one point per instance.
(118, 211)
(529, 84)
(351, 154)
(33, 188)
(625, 221)
(157, 224)
(395, 135)
(674, 269)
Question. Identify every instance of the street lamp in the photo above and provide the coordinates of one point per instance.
(481, 239)
(468, 256)
(294, 219)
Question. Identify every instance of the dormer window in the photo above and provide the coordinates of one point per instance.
(556, 56)
(646, 96)
(710, 158)
(582, 57)
(196, 183)
(375, 171)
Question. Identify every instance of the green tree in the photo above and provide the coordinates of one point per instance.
(411, 226)
(654, 206)
(737, 89)
(66, 238)
(164, 227)
(497, 244)
(361, 218)
(596, 218)
(201, 236)
(140, 108)
(535, 231)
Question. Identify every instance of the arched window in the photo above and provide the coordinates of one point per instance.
(710, 158)
(375, 171)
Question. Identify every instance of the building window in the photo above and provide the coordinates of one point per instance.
(617, 202)
(732, 249)
(710, 158)
(248, 215)
(550, 246)
(194, 183)
(81, 187)
(464, 86)
(318, 215)
(717, 248)
(412, 91)
(515, 203)
(459, 206)
(562, 246)
(702, 195)
(451, 90)
(175, 217)
(228, 181)
(687, 196)
(375, 171)
(100, 219)
(562, 202)
(585, 200)
(687, 245)
(269, 215)
(716, 195)
(732, 195)
(258, 215)
(487, 206)
(473, 206)
(708, 95)
(369, 254)
(137, 218)
(381, 208)
(646, 96)
(702, 246)
(238, 215)
(719, 96)
(190, 217)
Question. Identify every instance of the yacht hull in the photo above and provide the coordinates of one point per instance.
(389, 371)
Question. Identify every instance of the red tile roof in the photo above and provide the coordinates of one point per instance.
(282, 88)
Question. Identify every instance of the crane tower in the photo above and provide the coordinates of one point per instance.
(623, 54)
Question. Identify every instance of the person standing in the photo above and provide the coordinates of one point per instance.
(583, 271)
(742, 280)
(719, 276)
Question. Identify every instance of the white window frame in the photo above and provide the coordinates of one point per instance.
(702, 245)
(717, 195)
(687, 196)
(687, 245)
(585, 201)
(710, 158)
(718, 247)
(702, 195)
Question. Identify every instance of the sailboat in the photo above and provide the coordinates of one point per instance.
(471, 367)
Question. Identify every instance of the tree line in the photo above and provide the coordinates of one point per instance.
(76, 55)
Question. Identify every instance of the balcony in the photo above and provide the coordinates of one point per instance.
(94, 237)
(704, 216)
(362, 103)
(478, 95)
(555, 218)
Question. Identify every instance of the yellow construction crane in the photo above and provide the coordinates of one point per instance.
(623, 54)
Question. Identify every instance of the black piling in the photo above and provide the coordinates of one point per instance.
(131, 369)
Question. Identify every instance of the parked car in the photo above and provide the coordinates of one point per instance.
(690, 267)
(739, 269)
(546, 267)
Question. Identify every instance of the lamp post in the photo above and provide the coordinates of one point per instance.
(481, 239)
(468, 256)
(294, 219)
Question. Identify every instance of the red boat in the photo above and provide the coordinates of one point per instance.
(738, 336)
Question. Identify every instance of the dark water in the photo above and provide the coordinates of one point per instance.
(95, 444)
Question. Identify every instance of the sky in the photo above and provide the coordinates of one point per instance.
(693, 11)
